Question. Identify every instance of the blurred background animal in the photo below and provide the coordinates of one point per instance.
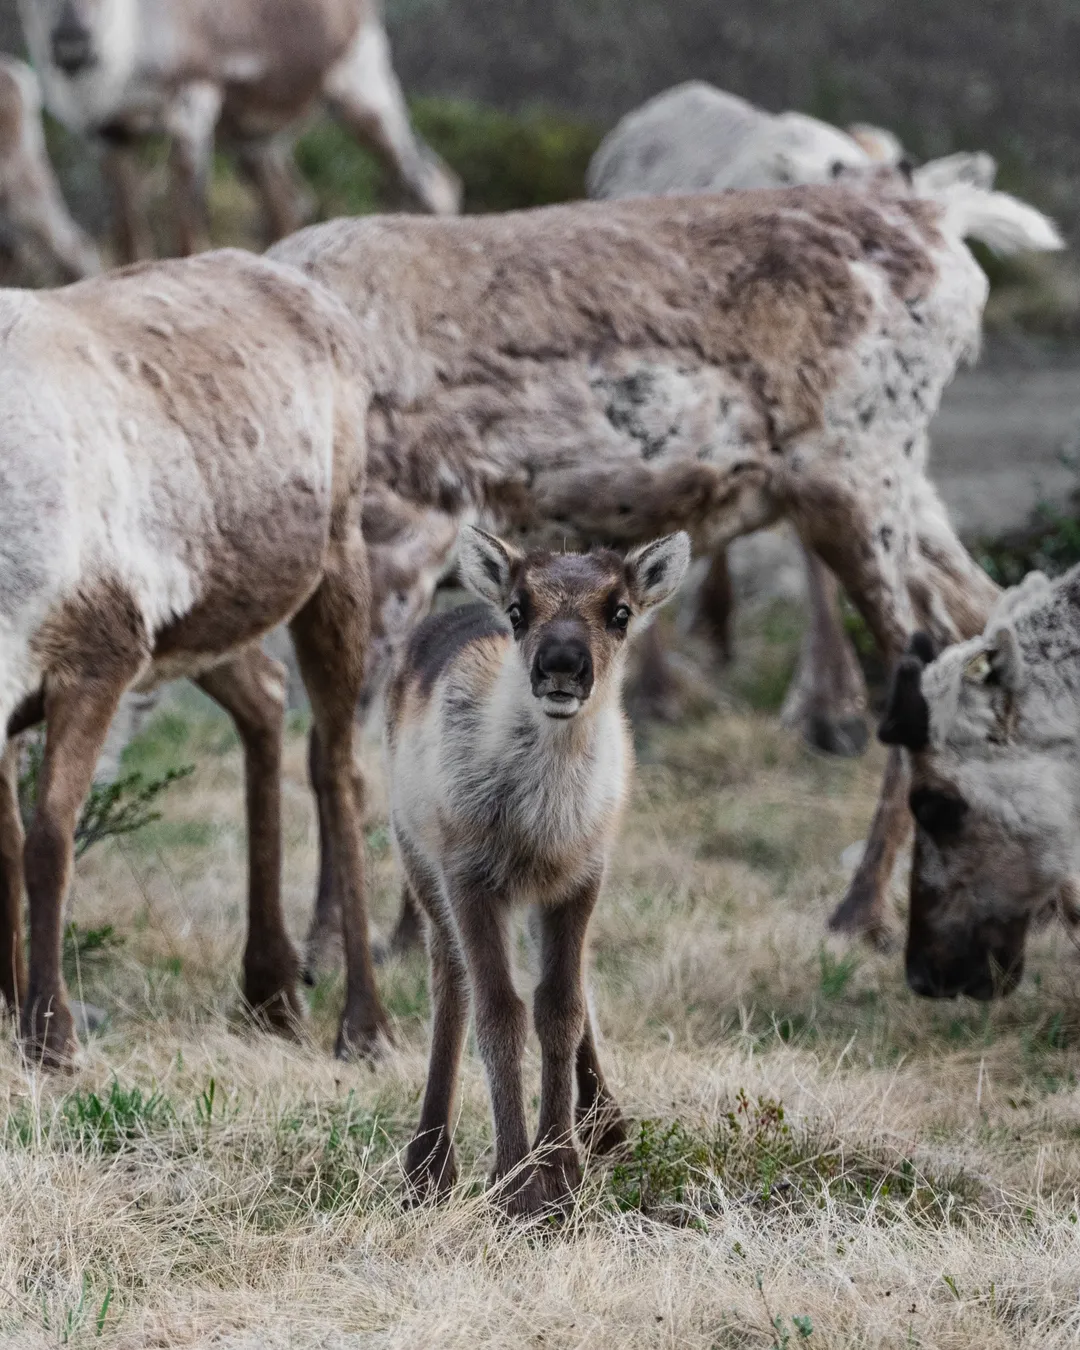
(118, 71)
(695, 138)
(40, 243)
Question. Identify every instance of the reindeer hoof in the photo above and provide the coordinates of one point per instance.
(363, 1039)
(846, 737)
(324, 954)
(545, 1187)
(603, 1131)
(271, 1000)
(430, 1171)
(47, 1032)
(855, 917)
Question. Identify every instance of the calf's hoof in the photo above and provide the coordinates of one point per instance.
(544, 1187)
(430, 1170)
(47, 1033)
(846, 737)
(602, 1130)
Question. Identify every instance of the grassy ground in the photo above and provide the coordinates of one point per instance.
(819, 1158)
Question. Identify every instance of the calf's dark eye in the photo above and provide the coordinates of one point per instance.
(515, 616)
(621, 618)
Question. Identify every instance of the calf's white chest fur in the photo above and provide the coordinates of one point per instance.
(486, 787)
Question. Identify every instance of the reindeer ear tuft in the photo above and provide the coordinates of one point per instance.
(907, 713)
(486, 564)
(655, 571)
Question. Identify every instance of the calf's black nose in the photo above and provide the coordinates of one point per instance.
(563, 664)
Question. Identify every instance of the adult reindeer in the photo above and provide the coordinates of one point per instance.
(183, 456)
(119, 70)
(695, 138)
(613, 371)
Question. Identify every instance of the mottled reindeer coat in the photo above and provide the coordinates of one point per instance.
(608, 372)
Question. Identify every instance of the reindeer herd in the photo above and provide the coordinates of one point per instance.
(196, 451)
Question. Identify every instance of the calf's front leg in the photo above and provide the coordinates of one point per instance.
(430, 1166)
(501, 1028)
(561, 1022)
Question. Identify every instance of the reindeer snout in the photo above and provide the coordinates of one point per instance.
(562, 668)
(72, 43)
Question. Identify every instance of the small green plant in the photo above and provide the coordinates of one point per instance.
(110, 1121)
(74, 1319)
(836, 972)
(111, 810)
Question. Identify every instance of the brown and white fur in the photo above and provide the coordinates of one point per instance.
(40, 244)
(696, 138)
(182, 448)
(120, 70)
(602, 372)
(509, 756)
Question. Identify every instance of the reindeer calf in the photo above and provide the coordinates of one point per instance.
(509, 756)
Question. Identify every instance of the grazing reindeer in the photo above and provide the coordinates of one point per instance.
(695, 138)
(509, 754)
(39, 241)
(119, 70)
(183, 457)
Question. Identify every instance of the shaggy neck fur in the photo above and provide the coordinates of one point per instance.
(558, 777)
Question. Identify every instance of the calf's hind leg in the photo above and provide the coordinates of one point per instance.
(600, 1124)
(330, 636)
(251, 688)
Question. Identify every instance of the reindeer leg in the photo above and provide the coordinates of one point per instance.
(133, 239)
(501, 1028)
(714, 607)
(363, 92)
(191, 119)
(286, 202)
(323, 945)
(827, 697)
(12, 961)
(600, 1124)
(430, 1166)
(561, 1018)
(77, 716)
(251, 689)
(408, 934)
(330, 634)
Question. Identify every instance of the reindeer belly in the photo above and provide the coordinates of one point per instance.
(256, 570)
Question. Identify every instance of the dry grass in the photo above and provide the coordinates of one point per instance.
(823, 1159)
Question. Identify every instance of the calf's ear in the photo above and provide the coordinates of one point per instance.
(655, 571)
(907, 713)
(486, 564)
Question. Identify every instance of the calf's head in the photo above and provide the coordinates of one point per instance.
(571, 613)
(994, 794)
